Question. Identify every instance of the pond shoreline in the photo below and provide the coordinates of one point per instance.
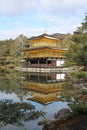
(76, 122)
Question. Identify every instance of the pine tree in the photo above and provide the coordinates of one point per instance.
(77, 53)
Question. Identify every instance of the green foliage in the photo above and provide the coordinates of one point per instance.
(79, 75)
(80, 108)
(77, 54)
(67, 40)
(15, 113)
(11, 53)
(68, 92)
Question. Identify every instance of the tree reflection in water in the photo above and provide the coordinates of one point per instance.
(16, 113)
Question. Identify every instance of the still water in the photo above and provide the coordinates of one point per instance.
(30, 98)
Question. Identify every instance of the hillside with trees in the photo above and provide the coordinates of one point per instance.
(11, 52)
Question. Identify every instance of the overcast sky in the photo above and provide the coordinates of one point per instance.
(34, 17)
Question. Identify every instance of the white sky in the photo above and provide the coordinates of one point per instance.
(34, 17)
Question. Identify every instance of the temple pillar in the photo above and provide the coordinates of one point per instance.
(38, 62)
(38, 76)
(46, 63)
(29, 62)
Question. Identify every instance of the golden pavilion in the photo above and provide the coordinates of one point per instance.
(44, 51)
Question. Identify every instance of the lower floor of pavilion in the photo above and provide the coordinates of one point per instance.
(43, 62)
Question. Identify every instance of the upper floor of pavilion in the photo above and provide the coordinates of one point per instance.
(45, 40)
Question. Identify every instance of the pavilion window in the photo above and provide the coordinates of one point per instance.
(42, 61)
(33, 61)
(49, 62)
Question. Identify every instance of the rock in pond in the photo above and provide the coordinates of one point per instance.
(63, 114)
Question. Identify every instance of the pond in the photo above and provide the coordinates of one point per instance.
(28, 98)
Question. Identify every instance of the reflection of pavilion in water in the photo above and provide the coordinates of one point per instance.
(43, 88)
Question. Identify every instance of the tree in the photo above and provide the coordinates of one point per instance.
(67, 40)
(11, 52)
(77, 54)
(6, 53)
(20, 43)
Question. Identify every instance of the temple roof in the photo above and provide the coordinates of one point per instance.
(65, 49)
(45, 36)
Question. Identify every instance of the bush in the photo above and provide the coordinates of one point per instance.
(80, 108)
(79, 75)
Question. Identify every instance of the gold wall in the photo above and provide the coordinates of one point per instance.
(45, 52)
(40, 42)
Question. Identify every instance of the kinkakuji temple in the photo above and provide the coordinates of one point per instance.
(44, 51)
